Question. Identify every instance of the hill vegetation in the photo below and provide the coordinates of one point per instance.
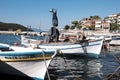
(12, 27)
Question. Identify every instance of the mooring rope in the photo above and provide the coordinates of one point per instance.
(17, 38)
(114, 73)
(69, 66)
(46, 64)
(43, 58)
(117, 67)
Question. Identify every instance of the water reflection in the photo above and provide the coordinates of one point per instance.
(76, 68)
(84, 68)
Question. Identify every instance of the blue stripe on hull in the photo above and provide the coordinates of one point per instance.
(38, 79)
(1, 46)
(10, 53)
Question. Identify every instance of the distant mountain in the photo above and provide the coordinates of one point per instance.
(36, 30)
(12, 27)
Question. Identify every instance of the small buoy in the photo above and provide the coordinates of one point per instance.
(16, 44)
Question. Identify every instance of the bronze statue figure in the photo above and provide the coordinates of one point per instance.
(54, 32)
(54, 18)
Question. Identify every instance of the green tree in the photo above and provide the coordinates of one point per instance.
(72, 27)
(106, 17)
(113, 26)
(79, 26)
(95, 17)
(75, 22)
(66, 27)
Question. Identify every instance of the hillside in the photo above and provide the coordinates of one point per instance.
(12, 27)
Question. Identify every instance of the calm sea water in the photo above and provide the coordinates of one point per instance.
(77, 67)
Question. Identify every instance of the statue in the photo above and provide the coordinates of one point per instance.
(54, 18)
(54, 32)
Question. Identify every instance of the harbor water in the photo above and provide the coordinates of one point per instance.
(64, 67)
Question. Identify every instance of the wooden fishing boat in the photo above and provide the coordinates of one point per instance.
(115, 41)
(27, 63)
(90, 48)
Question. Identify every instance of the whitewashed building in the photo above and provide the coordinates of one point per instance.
(98, 24)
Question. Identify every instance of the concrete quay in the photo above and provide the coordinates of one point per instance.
(96, 33)
(7, 32)
(87, 33)
(101, 33)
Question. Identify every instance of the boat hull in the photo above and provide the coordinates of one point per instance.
(27, 69)
(91, 49)
(86, 47)
(115, 41)
(25, 62)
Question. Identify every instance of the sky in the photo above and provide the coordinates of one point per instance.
(35, 13)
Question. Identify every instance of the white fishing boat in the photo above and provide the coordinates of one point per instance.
(76, 47)
(90, 48)
(107, 38)
(115, 41)
(24, 63)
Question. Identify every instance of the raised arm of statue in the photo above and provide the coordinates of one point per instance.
(54, 17)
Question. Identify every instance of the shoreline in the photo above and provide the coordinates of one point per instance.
(88, 33)
(7, 32)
